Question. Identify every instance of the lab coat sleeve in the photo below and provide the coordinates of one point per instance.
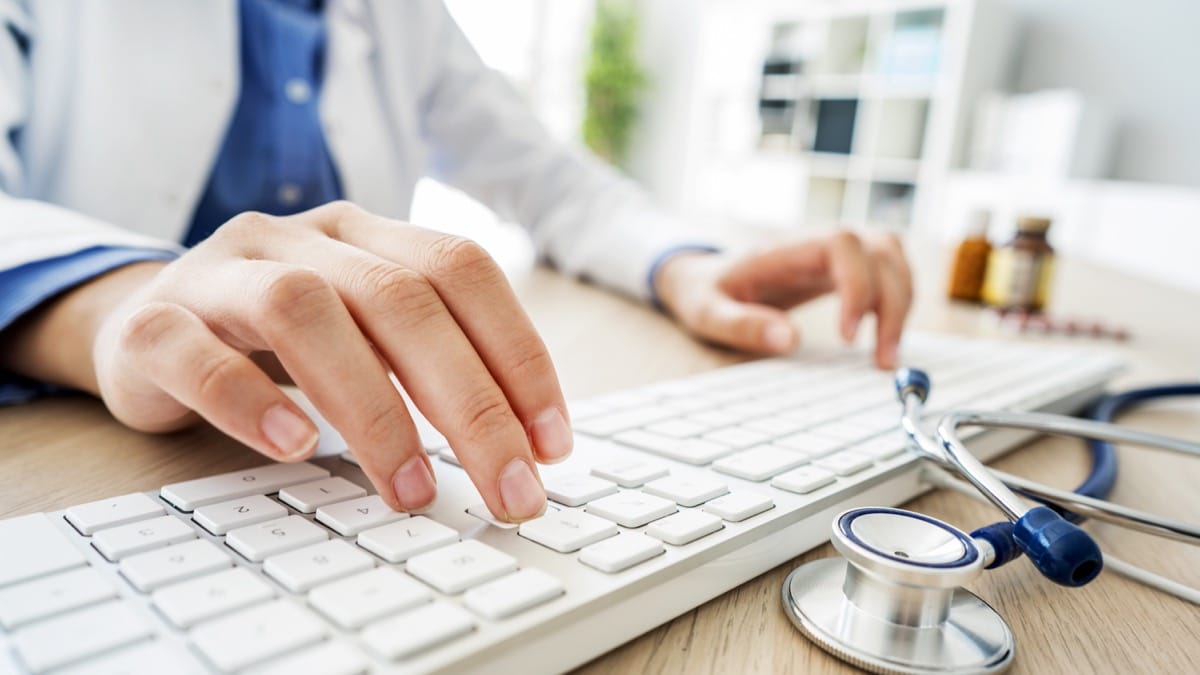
(584, 217)
(32, 230)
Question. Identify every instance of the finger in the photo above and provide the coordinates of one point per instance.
(408, 323)
(179, 354)
(295, 313)
(782, 276)
(745, 326)
(481, 301)
(895, 300)
(853, 280)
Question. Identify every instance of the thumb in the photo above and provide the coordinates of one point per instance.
(746, 326)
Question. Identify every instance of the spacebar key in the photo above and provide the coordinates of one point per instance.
(192, 494)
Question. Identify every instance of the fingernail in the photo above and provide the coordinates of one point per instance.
(551, 435)
(291, 434)
(414, 484)
(521, 492)
(778, 336)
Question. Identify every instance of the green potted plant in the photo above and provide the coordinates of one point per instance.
(613, 80)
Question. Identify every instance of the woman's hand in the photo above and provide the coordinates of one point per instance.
(740, 302)
(342, 298)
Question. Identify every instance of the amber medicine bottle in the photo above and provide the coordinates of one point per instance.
(970, 260)
(1018, 274)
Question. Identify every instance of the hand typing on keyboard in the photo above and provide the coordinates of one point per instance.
(343, 299)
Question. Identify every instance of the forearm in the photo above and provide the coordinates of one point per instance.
(53, 343)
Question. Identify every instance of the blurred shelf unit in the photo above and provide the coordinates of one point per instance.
(862, 105)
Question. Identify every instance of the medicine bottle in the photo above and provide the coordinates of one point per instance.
(970, 260)
(1018, 273)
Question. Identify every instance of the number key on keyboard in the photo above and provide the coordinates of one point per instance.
(256, 634)
(455, 568)
(192, 494)
(397, 542)
(567, 531)
(118, 542)
(621, 552)
(225, 516)
(351, 517)
(308, 497)
(257, 542)
(87, 518)
(148, 571)
(632, 509)
(687, 491)
(304, 568)
(578, 489)
(355, 601)
(187, 604)
(512, 594)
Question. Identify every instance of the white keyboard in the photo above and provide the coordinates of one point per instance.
(675, 493)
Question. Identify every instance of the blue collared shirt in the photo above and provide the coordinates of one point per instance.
(273, 159)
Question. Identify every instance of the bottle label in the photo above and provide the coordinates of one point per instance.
(1017, 278)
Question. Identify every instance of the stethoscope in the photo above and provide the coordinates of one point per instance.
(896, 604)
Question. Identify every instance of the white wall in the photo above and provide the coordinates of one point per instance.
(1138, 58)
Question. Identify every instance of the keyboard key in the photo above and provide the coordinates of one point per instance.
(328, 658)
(844, 431)
(630, 473)
(621, 552)
(257, 542)
(844, 463)
(687, 491)
(304, 568)
(884, 447)
(351, 517)
(804, 480)
(760, 463)
(417, 630)
(455, 568)
(146, 535)
(482, 512)
(225, 516)
(738, 506)
(397, 542)
(31, 546)
(355, 601)
(632, 509)
(447, 455)
(45, 597)
(187, 604)
(512, 594)
(691, 450)
(685, 527)
(774, 426)
(578, 489)
(58, 642)
(87, 518)
(567, 531)
(148, 571)
(678, 428)
(714, 418)
(738, 438)
(810, 445)
(611, 423)
(192, 494)
(256, 634)
(146, 658)
(308, 497)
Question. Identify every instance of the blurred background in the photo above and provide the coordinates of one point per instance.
(756, 119)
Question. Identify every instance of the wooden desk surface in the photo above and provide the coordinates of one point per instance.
(67, 450)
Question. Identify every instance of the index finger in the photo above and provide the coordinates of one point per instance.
(484, 305)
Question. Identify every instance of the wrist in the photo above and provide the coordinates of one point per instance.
(669, 272)
(55, 342)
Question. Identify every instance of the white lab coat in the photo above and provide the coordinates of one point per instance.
(114, 114)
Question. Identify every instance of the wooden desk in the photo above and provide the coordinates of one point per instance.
(63, 451)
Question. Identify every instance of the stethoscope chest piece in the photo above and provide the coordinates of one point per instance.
(896, 603)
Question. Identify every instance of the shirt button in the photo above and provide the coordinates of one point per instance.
(297, 91)
(289, 194)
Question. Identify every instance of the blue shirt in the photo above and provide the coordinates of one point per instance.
(273, 159)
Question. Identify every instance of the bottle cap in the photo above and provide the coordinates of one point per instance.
(1033, 224)
(978, 223)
